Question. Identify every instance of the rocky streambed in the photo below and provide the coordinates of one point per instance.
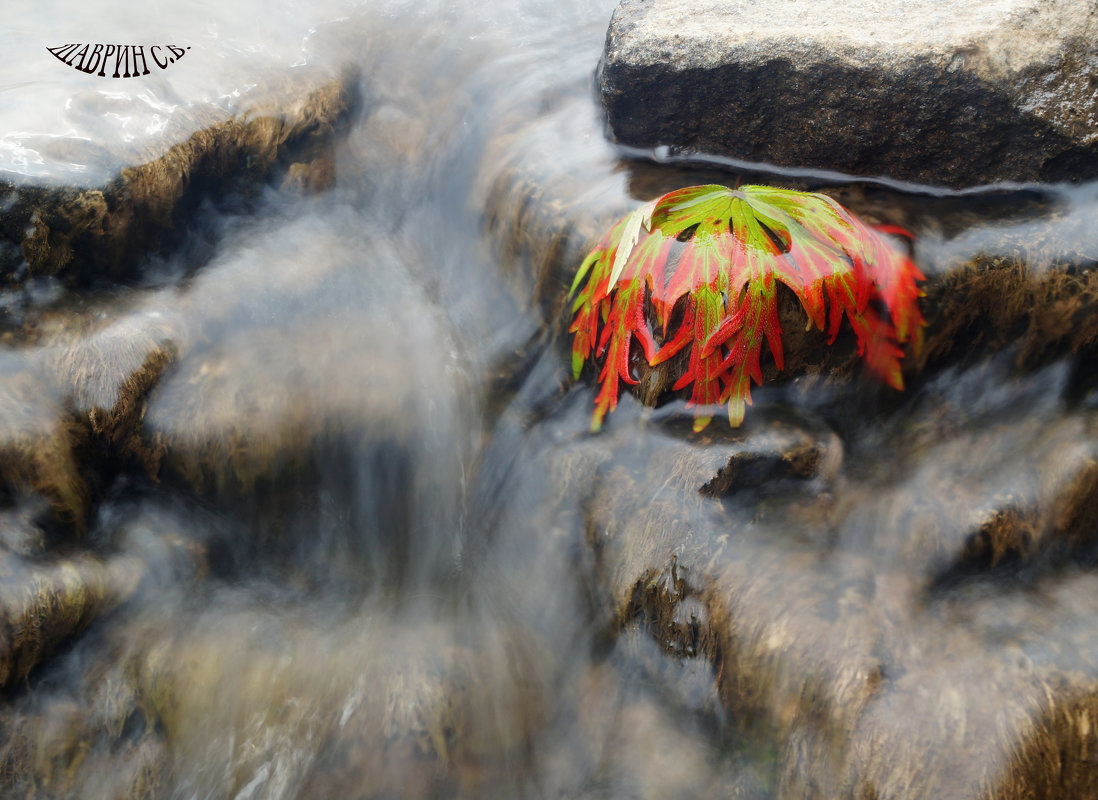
(299, 497)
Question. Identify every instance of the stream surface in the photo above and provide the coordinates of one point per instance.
(363, 544)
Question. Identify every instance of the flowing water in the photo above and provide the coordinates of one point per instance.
(364, 546)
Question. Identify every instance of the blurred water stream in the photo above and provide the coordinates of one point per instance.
(360, 543)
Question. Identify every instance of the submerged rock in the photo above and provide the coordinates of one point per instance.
(80, 232)
(289, 343)
(43, 604)
(390, 707)
(39, 445)
(105, 376)
(47, 753)
(71, 409)
(924, 91)
(860, 621)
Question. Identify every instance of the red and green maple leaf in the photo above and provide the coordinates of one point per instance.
(725, 251)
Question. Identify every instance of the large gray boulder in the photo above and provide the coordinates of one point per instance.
(930, 91)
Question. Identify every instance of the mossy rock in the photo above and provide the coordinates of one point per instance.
(82, 235)
(44, 603)
(39, 444)
(895, 611)
(95, 743)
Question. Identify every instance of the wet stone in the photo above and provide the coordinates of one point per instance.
(72, 415)
(96, 225)
(44, 604)
(248, 398)
(827, 626)
(853, 595)
(104, 377)
(95, 743)
(1008, 271)
(38, 445)
(921, 91)
(396, 705)
(540, 212)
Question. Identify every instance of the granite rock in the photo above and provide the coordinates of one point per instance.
(916, 90)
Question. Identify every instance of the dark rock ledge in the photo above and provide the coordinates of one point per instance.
(915, 91)
(79, 234)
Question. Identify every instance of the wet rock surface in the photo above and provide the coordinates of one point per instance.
(319, 513)
(855, 595)
(80, 234)
(872, 633)
(1011, 271)
(917, 91)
